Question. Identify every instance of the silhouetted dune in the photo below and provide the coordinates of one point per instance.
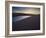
(31, 23)
(21, 14)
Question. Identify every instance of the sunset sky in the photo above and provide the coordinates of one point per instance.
(26, 10)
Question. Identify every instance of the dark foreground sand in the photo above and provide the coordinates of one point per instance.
(31, 23)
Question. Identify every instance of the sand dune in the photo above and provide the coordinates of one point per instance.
(30, 23)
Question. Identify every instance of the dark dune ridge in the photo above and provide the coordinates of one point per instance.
(31, 23)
